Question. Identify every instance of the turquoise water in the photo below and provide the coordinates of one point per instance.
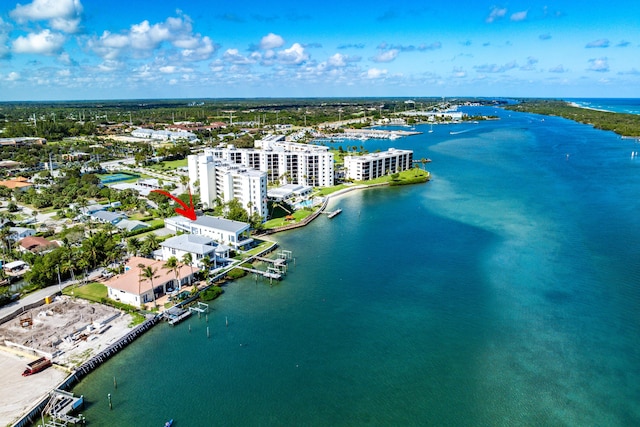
(503, 292)
(616, 105)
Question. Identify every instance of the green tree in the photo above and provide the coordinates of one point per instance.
(187, 259)
(149, 273)
(173, 265)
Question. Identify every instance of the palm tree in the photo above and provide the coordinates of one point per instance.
(184, 180)
(134, 245)
(5, 237)
(172, 265)
(206, 270)
(187, 259)
(149, 273)
(150, 243)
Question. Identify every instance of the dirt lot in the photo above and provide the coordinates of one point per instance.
(71, 330)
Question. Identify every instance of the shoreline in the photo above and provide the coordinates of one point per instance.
(88, 365)
(576, 105)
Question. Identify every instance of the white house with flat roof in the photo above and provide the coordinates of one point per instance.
(224, 231)
(199, 246)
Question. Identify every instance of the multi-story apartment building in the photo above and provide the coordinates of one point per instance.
(283, 162)
(374, 165)
(223, 180)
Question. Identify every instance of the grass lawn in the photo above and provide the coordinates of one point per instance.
(168, 165)
(92, 291)
(325, 191)
(298, 216)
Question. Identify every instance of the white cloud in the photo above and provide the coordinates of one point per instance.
(203, 50)
(62, 15)
(12, 76)
(459, 73)
(600, 65)
(386, 55)
(143, 38)
(234, 56)
(519, 16)
(294, 55)
(337, 60)
(375, 73)
(271, 41)
(169, 69)
(65, 59)
(44, 42)
(495, 14)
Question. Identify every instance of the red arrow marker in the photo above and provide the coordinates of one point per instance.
(186, 211)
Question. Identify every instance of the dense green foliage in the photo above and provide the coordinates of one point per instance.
(622, 124)
(211, 293)
(236, 273)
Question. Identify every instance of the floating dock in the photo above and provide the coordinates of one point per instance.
(335, 213)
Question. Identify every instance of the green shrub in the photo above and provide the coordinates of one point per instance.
(211, 293)
(236, 273)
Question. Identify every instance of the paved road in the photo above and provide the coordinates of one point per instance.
(40, 295)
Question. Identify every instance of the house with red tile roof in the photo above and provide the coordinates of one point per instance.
(133, 288)
(36, 244)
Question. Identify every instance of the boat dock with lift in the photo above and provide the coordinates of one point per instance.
(175, 315)
(276, 267)
(60, 407)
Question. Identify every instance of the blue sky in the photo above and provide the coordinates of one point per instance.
(114, 49)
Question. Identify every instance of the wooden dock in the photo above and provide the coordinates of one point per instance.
(267, 274)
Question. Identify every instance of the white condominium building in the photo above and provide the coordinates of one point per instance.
(283, 162)
(227, 181)
(374, 165)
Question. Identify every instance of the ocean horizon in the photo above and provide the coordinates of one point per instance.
(502, 292)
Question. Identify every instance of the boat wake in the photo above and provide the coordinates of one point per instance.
(460, 131)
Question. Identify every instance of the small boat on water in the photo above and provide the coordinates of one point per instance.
(168, 423)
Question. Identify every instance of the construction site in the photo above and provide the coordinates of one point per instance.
(67, 332)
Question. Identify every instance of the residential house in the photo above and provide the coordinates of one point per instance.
(133, 288)
(36, 244)
(235, 234)
(20, 182)
(107, 217)
(200, 247)
(130, 225)
(19, 233)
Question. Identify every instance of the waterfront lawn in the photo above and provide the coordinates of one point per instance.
(325, 191)
(411, 176)
(298, 216)
(92, 291)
